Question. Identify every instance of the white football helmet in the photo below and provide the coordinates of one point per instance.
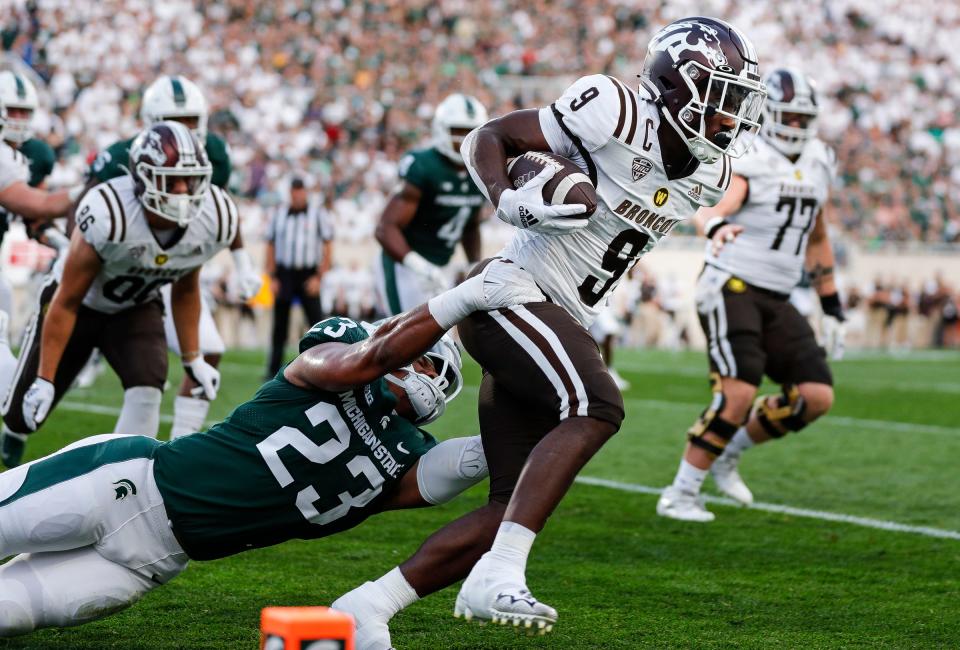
(429, 395)
(16, 91)
(161, 156)
(175, 98)
(791, 99)
(456, 112)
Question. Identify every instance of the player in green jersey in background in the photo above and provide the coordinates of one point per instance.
(19, 96)
(332, 439)
(435, 206)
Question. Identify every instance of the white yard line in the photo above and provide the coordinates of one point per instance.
(879, 524)
(99, 409)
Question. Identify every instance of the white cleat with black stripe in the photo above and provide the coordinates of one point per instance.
(489, 595)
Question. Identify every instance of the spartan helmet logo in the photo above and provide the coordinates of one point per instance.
(123, 488)
(692, 37)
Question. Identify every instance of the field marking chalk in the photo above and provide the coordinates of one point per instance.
(866, 522)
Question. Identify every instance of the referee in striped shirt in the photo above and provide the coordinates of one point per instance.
(299, 252)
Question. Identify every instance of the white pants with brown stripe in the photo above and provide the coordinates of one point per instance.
(540, 367)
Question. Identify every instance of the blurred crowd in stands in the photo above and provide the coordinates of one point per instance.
(338, 89)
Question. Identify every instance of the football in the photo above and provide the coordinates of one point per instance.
(568, 186)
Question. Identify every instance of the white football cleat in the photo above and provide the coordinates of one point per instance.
(621, 383)
(684, 506)
(491, 593)
(372, 631)
(728, 480)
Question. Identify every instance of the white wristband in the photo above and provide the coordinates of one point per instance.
(712, 224)
(453, 305)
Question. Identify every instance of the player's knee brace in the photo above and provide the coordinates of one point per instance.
(786, 411)
(140, 414)
(450, 468)
(711, 422)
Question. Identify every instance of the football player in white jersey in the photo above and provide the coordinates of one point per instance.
(767, 228)
(134, 235)
(178, 99)
(17, 197)
(656, 153)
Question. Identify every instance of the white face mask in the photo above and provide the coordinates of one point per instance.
(425, 395)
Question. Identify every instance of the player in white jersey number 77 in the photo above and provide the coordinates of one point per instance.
(769, 226)
(547, 403)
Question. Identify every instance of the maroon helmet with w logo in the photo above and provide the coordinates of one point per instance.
(171, 173)
(701, 67)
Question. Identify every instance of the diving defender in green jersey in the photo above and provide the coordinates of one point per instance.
(435, 206)
(332, 439)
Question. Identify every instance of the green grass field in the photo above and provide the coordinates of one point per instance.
(620, 576)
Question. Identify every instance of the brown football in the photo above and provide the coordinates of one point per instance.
(568, 186)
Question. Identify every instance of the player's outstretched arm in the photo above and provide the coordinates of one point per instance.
(712, 222)
(35, 205)
(400, 340)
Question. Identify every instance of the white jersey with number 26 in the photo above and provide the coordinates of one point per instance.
(610, 131)
(783, 201)
(135, 264)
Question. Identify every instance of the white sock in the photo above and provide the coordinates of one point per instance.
(398, 592)
(512, 545)
(741, 441)
(689, 478)
(140, 414)
(188, 415)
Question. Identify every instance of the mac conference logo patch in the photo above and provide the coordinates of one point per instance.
(160, 259)
(641, 167)
(660, 197)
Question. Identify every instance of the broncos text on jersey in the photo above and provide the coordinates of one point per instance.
(783, 201)
(135, 264)
(610, 131)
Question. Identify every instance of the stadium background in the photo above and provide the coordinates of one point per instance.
(339, 89)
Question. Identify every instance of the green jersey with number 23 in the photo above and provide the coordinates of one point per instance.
(290, 463)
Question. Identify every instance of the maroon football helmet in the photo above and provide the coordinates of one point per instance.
(160, 157)
(701, 67)
(790, 112)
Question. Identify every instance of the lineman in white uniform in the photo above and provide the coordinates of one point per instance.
(134, 234)
(547, 403)
(767, 228)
